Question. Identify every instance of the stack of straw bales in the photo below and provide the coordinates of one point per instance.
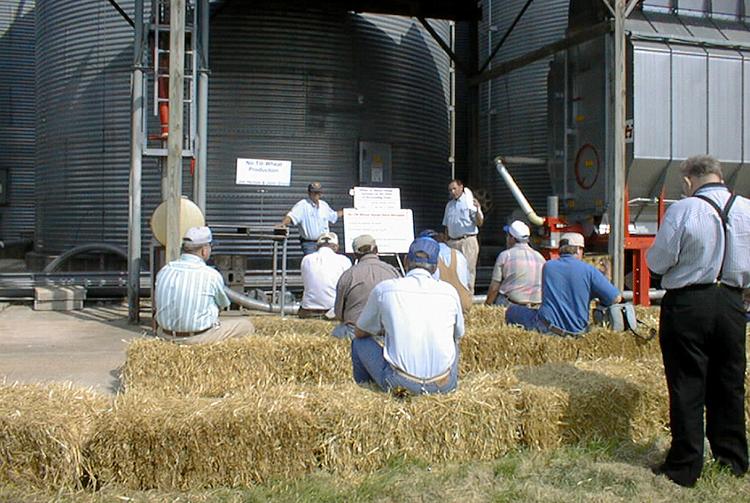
(42, 431)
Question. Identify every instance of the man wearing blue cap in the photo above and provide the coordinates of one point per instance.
(421, 320)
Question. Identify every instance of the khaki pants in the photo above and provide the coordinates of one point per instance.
(469, 246)
(227, 328)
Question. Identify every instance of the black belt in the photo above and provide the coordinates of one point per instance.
(705, 286)
(463, 237)
(559, 331)
(184, 334)
(308, 240)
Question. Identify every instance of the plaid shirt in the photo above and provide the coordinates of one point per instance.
(519, 272)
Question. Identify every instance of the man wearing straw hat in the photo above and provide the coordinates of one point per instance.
(568, 286)
(355, 284)
(517, 276)
(701, 251)
(422, 322)
(189, 294)
(312, 215)
(320, 273)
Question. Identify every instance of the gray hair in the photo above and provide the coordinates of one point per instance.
(188, 247)
(700, 166)
(569, 249)
(431, 268)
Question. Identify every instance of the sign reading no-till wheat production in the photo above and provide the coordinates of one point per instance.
(393, 230)
(264, 172)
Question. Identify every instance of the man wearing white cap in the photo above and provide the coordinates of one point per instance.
(189, 295)
(355, 284)
(320, 273)
(517, 277)
(312, 215)
(568, 286)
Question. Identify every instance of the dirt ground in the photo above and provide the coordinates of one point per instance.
(84, 347)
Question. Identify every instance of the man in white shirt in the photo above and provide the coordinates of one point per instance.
(421, 320)
(312, 215)
(189, 294)
(701, 253)
(320, 273)
(452, 268)
(462, 218)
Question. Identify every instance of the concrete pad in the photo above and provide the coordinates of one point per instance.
(84, 347)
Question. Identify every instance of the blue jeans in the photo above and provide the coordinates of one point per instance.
(527, 317)
(369, 365)
(308, 247)
(501, 300)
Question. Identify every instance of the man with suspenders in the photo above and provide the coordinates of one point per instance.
(702, 252)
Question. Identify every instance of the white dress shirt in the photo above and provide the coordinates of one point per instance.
(188, 295)
(462, 265)
(422, 320)
(460, 217)
(689, 246)
(320, 273)
(312, 220)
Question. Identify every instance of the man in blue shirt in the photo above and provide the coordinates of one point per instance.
(312, 215)
(568, 287)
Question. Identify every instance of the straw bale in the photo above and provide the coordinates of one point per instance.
(245, 363)
(42, 428)
(276, 325)
(613, 398)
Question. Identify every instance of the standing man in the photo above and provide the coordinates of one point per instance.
(320, 273)
(517, 276)
(462, 219)
(422, 322)
(568, 286)
(701, 252)
(189, 295)
(356, 283)
(312, 215)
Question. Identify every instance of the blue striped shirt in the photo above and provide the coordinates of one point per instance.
(689, 246)
(312, 220)
(188, 295)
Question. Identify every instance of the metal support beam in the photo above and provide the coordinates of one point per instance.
(136, 157)
(445, 47)
(505, 37)
(122, 13)
(199, 180)
(543, 52)
(175, 141)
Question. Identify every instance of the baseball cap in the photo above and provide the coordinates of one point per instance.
(428, 233)
(424, 251)
(519, 230)
(572, 239)
(328, 238)
(198, 236)
(364, 243)
(315, 187)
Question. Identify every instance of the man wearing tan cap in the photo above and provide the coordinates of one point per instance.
(312, 215)
(320, 273)
(355, 285)
(189, 295)
(568, 286)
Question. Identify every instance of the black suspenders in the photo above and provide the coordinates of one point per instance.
(723, 215)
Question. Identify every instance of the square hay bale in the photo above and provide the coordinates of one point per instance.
(42, 430)
(245, 363)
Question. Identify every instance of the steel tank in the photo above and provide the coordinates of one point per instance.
(17, 118)
(513, 108)
(285, 84)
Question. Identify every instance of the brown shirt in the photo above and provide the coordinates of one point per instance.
(356, 283)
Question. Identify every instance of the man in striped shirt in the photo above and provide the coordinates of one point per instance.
(517, 277)
(189, 295)
(702, 252)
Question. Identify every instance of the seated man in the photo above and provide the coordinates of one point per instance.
(568, 286)
(189, 294)
(452, 268)
(422, 322)
(517, 277)
(320, 273)
(356, 283)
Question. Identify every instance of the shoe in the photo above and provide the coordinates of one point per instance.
(725, 466)
(661, 470)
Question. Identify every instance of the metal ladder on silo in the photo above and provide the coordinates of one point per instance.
(158, 34)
